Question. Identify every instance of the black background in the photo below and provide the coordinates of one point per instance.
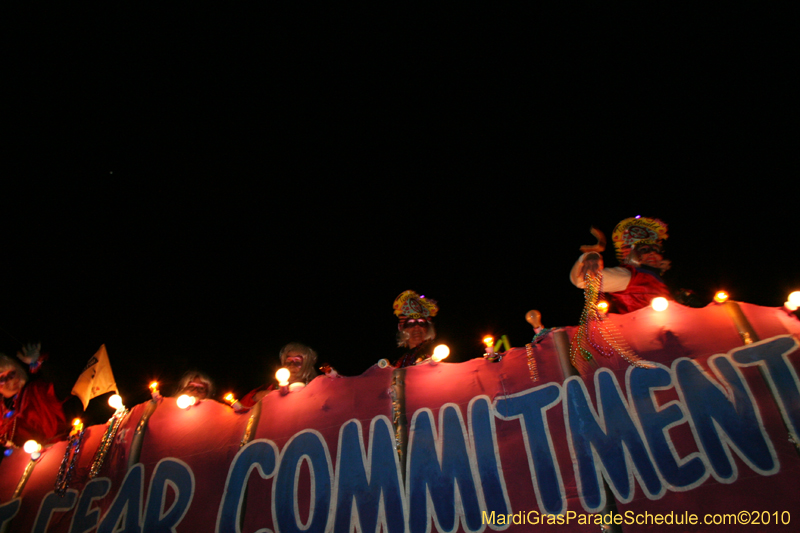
(197, 187)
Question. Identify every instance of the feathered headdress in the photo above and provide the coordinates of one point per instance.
(411, 305)
(637, 230)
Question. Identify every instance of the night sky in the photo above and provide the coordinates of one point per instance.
(197, 189)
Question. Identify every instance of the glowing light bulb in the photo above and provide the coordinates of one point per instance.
(154, 392)
(32, 447)
(794, 299)
(602, 306)
(488, 340)
(282, 375)
(77, 427)
(115, 401)
(185, 401)
(234, 403)
(440, 352)
(721, 297)
(660, 303)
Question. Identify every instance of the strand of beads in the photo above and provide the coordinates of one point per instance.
(579, 356)
(532, 362)
(613, 342)
(616, 344)
(65, 473)
(105, 443)
(542, 334)
(594, 321)
(8, 438)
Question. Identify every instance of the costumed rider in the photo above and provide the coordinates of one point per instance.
(197, 384)
(415, 330)
(299, 359)
(30, 409)
(634, 284)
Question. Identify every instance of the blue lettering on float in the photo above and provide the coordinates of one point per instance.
(84, 519)
(677, 473)
(127, 504)
(454, 469)
(610, 436)
(487, 455)
(773, 354)
(50, 503)
(432, 475)
(260, 454)
(308, 446)
(529, 407)
(8, 511)
(370, 479)
(179, 476)
(724, 420)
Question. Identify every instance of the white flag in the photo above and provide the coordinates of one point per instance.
(96, 379)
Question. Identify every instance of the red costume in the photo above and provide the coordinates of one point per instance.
(249, 399)
(35, 414)
(637, 281)
(642, 288)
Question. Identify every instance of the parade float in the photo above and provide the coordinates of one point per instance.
(668, 417)
(707, 428)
